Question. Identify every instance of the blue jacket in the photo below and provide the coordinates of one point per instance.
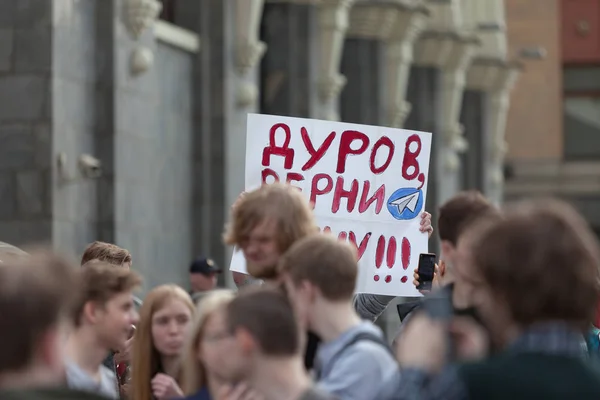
(201, 395)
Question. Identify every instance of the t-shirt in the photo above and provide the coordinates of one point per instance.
(316, 394)
(79, 379)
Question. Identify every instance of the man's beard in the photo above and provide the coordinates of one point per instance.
(262, 271)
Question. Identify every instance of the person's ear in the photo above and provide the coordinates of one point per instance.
(447, 249)
(245, 341)
(91, 311)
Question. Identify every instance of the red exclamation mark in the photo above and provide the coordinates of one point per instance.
(379, 255)
(327, 230)
(391, 256)
(342, 235)
(405, 257)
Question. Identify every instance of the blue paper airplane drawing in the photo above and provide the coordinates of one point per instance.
(405, 203)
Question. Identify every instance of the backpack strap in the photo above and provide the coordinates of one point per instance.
(361, 337)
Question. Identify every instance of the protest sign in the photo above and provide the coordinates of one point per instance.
(367, 184)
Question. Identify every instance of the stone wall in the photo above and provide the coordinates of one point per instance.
(66, 87)
(25, 121)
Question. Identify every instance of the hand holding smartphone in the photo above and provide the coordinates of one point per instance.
(426, 271)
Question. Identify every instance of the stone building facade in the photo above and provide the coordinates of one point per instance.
(553, 127)
(159, 99)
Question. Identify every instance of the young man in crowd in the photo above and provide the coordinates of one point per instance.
(267, 221)
(320, 274)
(533, 277)
(32, 350)
(454, 217)
(102, 318)
(260, 344)
(203, 277)
(118, 257)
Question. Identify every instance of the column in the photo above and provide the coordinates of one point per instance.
(228, 77)
(498, 104)
(378, 55)
(333, 21)
(409, 25)
(453, 142)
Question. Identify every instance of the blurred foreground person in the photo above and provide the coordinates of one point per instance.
(266, 222)
(534, 279)
(260, 345)
(199, 380)
(37, 294)
(103, 320)
(164, 327)
(354, 360)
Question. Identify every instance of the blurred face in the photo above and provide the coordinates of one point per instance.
(170, 328)
(220, 352)
(471, 288)
(114, 320)
(261, 250)
(202, 283)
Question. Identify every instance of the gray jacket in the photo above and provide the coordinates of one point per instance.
(371, 306)
(355, 371)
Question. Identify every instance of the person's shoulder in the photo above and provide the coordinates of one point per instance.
(369, 348)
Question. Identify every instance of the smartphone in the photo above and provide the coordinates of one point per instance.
(426, 269)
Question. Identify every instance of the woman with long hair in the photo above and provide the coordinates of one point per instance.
(166, 319)
(198, 383)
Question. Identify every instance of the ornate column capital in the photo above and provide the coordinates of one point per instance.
(138, 16)
(248, 48)
(333, 18)
(408, 25)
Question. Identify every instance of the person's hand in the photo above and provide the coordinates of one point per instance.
(238, 392)
(164, 387)
(470, 339)
(426, 224)
(423, 344)
(124, 355)
(435, 284)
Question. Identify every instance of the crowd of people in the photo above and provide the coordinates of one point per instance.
(511, 314)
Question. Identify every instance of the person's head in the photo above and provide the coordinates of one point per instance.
(537, 264)
(165, 322)
(266, 222)
(259, 325)
(107, 252)
(203, 274)
(319, 270)
(105, 308)
(456, 212)
(204, 346)
(37, 294)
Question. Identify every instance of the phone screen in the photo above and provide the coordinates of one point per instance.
(426, 270)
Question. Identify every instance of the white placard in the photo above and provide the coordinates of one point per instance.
(367, 183)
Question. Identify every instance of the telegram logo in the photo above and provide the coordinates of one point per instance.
(405, 203)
